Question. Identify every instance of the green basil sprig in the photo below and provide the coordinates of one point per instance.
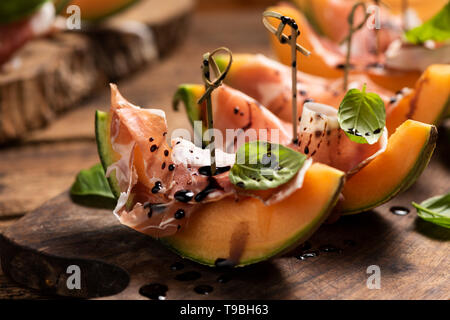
(437, 28)
(435, 210)
(261, 165)
(362, 116)
(92, 182)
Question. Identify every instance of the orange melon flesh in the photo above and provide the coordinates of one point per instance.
(323, 60)
(218, 229)
(98, 9)
(408, 152)
(313, 64)
(319, 11)
(429, 101)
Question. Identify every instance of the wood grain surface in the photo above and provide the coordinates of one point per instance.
(54, 73)
(412, 254)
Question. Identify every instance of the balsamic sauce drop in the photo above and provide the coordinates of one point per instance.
(224, 263)
(400, 211)
(211, 187)
(308, 254)
(203, 289)
(154, 291)
(206, 170)
(184, 195)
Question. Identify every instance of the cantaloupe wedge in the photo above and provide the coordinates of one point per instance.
(247, 231)
(318, 11)
(428, 103)
(409, 149)
(251, 231)
(408, 152)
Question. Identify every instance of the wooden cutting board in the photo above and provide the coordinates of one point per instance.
(52, 74)
(116, 261)
(412, 254)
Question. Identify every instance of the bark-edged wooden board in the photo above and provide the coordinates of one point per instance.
(55, 73)
(116, 261)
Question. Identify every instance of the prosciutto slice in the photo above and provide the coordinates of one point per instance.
(269, 82)
(321, 138)
(162, 185)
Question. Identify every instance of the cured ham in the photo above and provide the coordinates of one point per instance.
(161, 185)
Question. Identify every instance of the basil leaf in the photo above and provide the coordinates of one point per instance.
(437, 28)
(261, 165)
(435, 210)
(362, 116)
(92, 182)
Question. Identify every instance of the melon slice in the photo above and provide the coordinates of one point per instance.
(408, 153)
(246, 231)
(107, 155)
(326, 55)
(254, 232)
(429, 102)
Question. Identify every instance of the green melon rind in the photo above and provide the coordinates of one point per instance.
(413, 175)
(289, 244)
(104, 148)
(185, 94)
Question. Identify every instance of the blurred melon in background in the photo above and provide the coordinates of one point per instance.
(424, 8)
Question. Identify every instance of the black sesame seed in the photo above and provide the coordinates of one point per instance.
(377, 131)
(236, 110)
(171, 167)
(166, 152)
(306, 150)
(157, 187)
(184, 195)
(153, 148)
(163, 165)
(179, 214)
(151, 139)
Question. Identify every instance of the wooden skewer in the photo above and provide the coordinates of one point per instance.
(209, 64)
(292, 39)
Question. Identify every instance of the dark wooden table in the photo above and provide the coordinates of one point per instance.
(46, 163)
